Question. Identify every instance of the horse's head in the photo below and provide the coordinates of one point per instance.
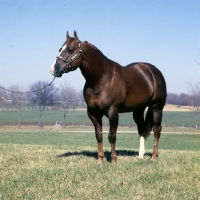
(69, 58)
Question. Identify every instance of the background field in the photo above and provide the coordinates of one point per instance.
(172, 118)
(57, 163)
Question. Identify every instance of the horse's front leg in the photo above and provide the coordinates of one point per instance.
(97, 122)
(113, 119)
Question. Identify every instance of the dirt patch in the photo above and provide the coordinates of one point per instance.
(176, 108)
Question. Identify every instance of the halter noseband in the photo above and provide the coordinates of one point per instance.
(72, 59)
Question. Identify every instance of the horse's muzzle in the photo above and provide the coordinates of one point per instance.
(56, 71)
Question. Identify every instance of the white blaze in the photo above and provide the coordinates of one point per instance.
(63, 48)
(52, 66)
(142, 150)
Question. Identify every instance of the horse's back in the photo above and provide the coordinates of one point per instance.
(148, 72)
(145, 83)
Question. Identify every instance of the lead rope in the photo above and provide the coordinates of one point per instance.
(28, 91)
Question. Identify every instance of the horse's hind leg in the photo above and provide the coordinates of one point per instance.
(157, 119)
(97, 122)
(138, 117)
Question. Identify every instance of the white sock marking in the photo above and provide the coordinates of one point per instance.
(142, 150)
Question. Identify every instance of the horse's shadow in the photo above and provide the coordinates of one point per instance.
(107, 154)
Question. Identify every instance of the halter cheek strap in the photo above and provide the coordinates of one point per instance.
(72, 59)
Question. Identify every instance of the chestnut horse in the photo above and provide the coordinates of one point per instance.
(111, 89)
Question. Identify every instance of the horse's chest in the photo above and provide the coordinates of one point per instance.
(96, 99)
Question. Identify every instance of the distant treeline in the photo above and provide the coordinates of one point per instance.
(181, 99)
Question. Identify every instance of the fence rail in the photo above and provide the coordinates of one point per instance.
(78, 117)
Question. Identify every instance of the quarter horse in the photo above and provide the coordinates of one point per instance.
(111, 89)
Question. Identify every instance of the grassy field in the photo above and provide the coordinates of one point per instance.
(56, 163)
(50, 117)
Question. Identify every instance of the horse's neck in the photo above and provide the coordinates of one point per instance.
(94, 64)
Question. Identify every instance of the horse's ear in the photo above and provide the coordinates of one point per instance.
(75, 35)
(67, 35)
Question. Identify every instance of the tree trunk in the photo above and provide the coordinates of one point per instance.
(64, 123)
(73, 119)
(19, 117)
(40, 117)
(196, 113)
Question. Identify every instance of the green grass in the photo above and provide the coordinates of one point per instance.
(79, 139)
(48, 172)
(50, 117)
(57, 164)
(186, 119)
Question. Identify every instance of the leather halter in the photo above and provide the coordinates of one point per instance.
(72, 59)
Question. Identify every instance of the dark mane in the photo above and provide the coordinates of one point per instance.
(94, 47)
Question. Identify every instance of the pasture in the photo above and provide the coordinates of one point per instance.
(60, 163)
(80, 118)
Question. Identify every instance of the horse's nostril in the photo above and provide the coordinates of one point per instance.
(56, 69)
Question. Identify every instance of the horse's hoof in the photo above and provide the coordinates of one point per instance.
(114, 160)
(100, 161)
(154, 157)
(141, 155)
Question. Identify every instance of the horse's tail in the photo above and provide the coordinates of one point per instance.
(148, 122)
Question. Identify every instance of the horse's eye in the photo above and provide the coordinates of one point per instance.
(70, 50)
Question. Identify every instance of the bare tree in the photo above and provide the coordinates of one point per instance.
(74, 104)
(178, 99)
(81, 99)
(17, 99)
(3, 96)
(43, 96)
(68, 99)
(194, 89)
